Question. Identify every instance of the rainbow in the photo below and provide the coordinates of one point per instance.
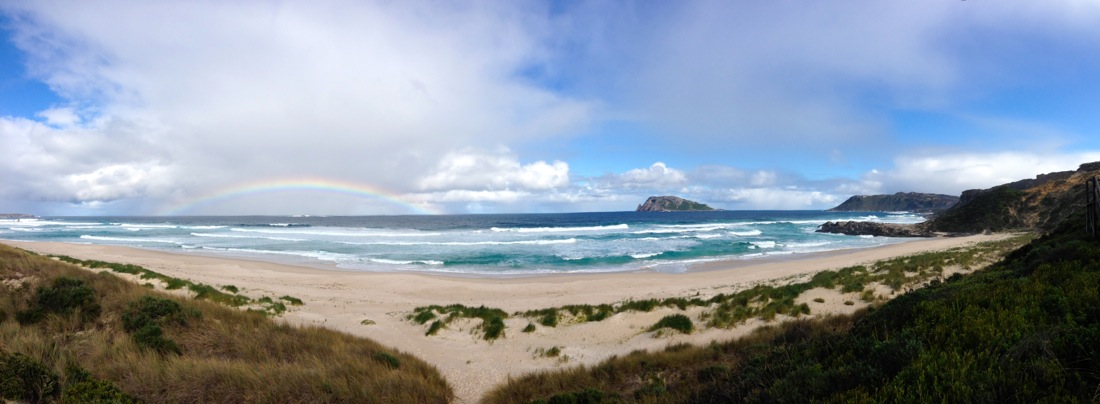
(299, 184)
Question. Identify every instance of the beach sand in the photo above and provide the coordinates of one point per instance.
(342, 300)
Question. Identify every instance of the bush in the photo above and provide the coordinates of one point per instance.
(96, 391)
(143, 320)
(529, 328)
(24, 379)
(677, 322)
(549, 320)
(434, 328)
(494, 328)
(65, 296)
(294, 301)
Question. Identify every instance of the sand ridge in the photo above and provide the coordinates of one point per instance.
(343, 300)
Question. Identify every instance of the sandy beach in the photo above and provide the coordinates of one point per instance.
(343, 300)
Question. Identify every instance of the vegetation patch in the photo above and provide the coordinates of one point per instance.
(678, 322)
(145, 319)
(24, 379)
(66, 295)
(492, 319)
(768, 301)
(228, 355)
(1024, 329)
(266, 304)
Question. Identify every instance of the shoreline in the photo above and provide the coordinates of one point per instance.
(342, 300)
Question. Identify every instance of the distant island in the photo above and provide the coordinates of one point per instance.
(901, 201)
(9, 216)
(671, 204)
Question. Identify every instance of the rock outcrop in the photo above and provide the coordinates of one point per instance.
(671, 204)
(901, 201)
(853, 228)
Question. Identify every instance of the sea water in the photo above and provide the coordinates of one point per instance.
(505, 244)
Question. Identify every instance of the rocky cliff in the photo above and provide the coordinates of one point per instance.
(1031, 204)
(670, 204)
(901, 201)
(1040, 203)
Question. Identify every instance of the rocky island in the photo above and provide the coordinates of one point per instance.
(16, 216)
(671, 204)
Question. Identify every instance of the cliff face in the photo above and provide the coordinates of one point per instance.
(901, 201)
(1039, 203)
(1031, 204)
(671, 204)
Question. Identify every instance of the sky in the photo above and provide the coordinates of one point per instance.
(449, 107)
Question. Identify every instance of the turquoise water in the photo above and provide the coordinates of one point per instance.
(474, 244)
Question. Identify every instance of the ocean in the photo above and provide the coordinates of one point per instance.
(499, 244)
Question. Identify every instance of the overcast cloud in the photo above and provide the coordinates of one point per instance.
(450, 105)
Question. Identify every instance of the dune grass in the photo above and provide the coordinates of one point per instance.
(1025, 329)
(98, 337)
(265, 304)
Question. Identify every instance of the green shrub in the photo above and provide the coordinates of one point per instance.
(434, 328)
(96, 391)
(294, 301)
(24, 379)
(529, 328)
(494, 328)
(553, 352)
(175, 283)
(549, 320)
(143, 320)
(677, 322)
(230, 289)
(65, 296)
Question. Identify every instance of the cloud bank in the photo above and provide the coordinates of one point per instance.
(491, 107)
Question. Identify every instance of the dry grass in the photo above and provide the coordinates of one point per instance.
(226, 355)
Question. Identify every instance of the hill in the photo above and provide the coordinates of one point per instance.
(1022, 330)
(71, 335)
(901, 201)
(1040, 203)
(671, 204)
(1026, 205)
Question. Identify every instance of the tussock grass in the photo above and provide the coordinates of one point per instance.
(222, 354)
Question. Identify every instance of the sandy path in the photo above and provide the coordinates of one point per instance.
(341, 300)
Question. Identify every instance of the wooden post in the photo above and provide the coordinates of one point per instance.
(1092, 207)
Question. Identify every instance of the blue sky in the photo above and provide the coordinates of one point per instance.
(129, 107)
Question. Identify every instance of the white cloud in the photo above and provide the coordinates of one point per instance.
(103, 161)
(363, 92)
(494, 171)
(657, 176)
(777, 198)
(60, 116)
(953, 173)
